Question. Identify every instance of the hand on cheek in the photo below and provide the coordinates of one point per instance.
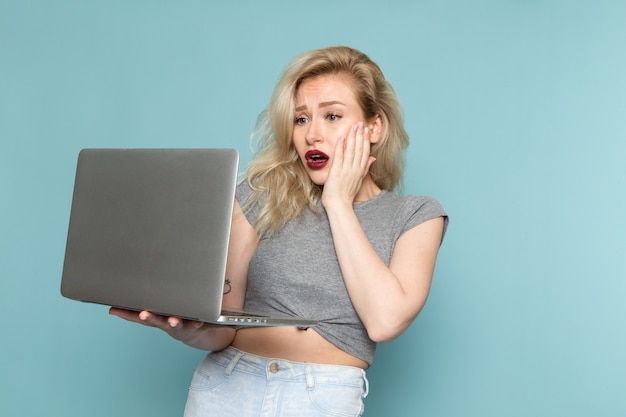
(354, 151)
(350, 165)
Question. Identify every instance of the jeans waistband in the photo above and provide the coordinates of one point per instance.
(232, 359)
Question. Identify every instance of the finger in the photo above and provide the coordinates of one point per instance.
(178, 323)
(198, 324)
(365, 148)
(153, 320)
(370, 161)
(174, 322)
(124, 314)
(143, 317)
(350, 146)
(339, 154)
(358, 146)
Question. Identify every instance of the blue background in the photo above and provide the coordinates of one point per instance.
(517, 114)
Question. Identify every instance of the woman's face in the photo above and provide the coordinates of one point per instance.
(326, 109)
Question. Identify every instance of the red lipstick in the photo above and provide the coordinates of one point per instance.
(316, 159)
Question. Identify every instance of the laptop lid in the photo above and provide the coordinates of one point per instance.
(149, 230)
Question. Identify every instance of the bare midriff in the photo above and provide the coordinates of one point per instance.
(293, 344)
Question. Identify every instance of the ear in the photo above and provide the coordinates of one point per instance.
(376, 127)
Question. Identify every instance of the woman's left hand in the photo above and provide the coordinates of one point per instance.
(350, 165)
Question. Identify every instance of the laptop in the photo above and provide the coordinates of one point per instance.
(149, 230)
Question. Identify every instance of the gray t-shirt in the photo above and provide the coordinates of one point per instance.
(296, 271)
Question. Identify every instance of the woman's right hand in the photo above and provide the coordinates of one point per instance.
(201, 335)
(198, 334)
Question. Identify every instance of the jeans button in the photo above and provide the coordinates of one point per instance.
(273, 367)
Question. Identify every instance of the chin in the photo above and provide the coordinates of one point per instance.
(318, 178)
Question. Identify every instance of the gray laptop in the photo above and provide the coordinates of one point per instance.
(149, 230)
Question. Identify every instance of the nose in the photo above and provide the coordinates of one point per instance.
(313, 134)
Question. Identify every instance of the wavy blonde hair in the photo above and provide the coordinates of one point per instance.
(276, 174)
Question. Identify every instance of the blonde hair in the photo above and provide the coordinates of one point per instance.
(277, 176)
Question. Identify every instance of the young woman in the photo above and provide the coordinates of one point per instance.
(317, 232)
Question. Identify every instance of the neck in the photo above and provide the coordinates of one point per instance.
(368, 190)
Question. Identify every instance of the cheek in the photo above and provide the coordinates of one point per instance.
(297, 139)
(339, 133)
(299, 145)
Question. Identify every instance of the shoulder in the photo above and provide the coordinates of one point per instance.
(413, 210)
(411, 203)
(243, 195)
(425, 205)
(243, 191)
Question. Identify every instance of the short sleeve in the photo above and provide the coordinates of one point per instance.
(420, 209)
(250, 209)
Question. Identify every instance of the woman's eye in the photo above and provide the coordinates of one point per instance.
(300, 120)
(333, 117)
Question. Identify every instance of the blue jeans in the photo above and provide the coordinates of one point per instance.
(232, 383)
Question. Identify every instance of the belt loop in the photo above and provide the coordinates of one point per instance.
(366, 383)
(233, 362)
(310, 382)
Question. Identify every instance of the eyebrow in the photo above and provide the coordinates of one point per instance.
(322, 104)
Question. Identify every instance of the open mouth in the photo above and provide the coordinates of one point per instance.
(316, 159)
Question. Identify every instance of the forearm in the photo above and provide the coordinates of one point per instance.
(377, 294)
